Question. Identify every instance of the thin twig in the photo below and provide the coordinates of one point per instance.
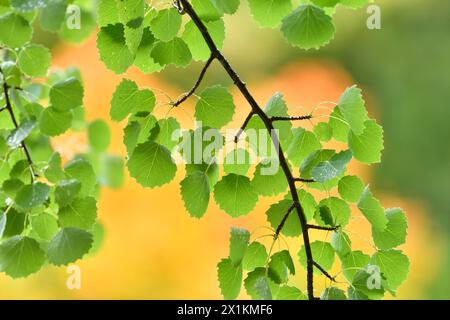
(16, 125)
(308, 117)
(325, 273)
(312, 226)
(283, 221)
(304, 180)
(197, 84)
(244, 125)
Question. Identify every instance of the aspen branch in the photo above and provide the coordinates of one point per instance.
(8, 107)
(187, 8)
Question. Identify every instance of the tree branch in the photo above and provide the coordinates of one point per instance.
(189, 10)
(304, 180)
(323, 271)
(16, 125)
(312, 226)
(197, 84)
(283, 221)
(244, 125)
(308, 117)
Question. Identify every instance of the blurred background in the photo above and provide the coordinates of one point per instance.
(154, 250)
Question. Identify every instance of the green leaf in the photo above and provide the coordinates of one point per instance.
(107, 13)
(215, 107)
(302, 145)
(323, 131)
(235, 195)
(206, 10)
(341, 243)
(80, 213)
(197, 45)
(129, 99)
(226, 6)
(367, 147)
(68, 245)
(372, 210)
(333, 293)
(395, 232)
(15, 223)
(131, 136)
(339, 209)
(237, 161)
(354, 3)
(151, 165)
(394, 265)
(195, 191)
(255, 256)
(16, 30)
(277, 212)
(230, 278)
(44, 225)
(99, 135)
(238, 244)
(168, 133)
(20, 256)
(350, 188)
(131, 15)
(143, 59)
(174, 52)
(332, 168)
(27, 5)
(53, 15)
(112, 48)
(32, 195)
(81, 170)
(269, 13)
(353, 109)
(257, 285)
(53, 171)
(53, 122)
(66, 191)
(166, 24)
(111, 171)
(290, 293)
(67, 94)
(78, 34)
(322, 253)
(353, 262)
(18, 135)
(361, 289)
(34, 60)
(269, 178)
(308, 27)
(280, 266)
(339, 126)
(325, 3)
